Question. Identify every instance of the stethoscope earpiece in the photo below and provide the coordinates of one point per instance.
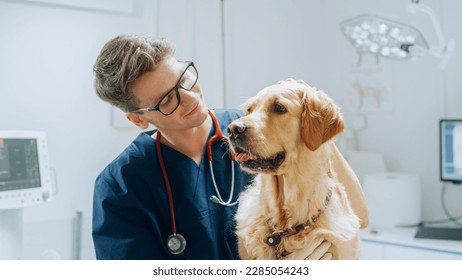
(215, 199)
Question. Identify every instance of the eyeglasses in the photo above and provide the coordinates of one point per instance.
(171, 100)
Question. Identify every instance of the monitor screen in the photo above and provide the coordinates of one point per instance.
(19, 165)
(451, 151)
(25, 177)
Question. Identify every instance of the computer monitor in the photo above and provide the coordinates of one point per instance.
(451, 151)
(25, 178)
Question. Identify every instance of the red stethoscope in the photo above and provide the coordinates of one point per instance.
(176, 243)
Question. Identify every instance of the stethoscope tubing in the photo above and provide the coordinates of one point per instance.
(218, 136)
(168, 188)
(219, 199)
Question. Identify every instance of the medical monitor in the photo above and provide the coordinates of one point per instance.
(451, 151)
(25, 178)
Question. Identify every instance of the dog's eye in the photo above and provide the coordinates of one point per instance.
(248, 110)
(278, 108)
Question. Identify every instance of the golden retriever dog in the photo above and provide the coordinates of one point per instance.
(295, 199)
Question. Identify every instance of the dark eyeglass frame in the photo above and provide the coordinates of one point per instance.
(175, 88)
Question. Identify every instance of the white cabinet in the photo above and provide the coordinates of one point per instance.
(400, 244)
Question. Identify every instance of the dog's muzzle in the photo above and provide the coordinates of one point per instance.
(243, 152)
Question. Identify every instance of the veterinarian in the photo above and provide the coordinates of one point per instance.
(160, 198)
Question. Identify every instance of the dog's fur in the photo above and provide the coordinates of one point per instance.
(284, 138)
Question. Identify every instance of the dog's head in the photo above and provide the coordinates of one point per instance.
(278, 121)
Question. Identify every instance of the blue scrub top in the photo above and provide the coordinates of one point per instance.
(131, 218)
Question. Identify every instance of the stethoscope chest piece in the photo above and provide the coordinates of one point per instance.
(176, 243)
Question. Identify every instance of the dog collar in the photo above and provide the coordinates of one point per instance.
(276, 237)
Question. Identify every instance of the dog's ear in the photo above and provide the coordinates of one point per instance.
(321, 119)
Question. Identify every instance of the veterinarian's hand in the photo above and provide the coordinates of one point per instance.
(319, 250)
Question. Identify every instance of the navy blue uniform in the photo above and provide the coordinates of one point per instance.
(131, 218)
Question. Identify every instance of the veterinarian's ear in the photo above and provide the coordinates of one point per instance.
(137, 120)
(321, 119)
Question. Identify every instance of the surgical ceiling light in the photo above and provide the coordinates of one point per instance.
(395, 40)
(384, 37)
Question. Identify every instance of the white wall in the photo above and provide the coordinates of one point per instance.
(46, 83)
(195, 27)
(47, 53)
(302, 39)
(408, 134)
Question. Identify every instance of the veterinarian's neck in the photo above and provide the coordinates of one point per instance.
(189, 142)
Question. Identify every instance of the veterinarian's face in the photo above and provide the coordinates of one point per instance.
(155, 85)
(263, 138)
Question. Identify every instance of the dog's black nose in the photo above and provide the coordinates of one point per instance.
(236, 128)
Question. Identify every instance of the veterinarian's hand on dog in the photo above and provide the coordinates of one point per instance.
(319, 250)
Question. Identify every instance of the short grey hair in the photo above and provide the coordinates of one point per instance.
(121, 62)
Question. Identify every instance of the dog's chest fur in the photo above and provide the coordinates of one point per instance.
(276, 203)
